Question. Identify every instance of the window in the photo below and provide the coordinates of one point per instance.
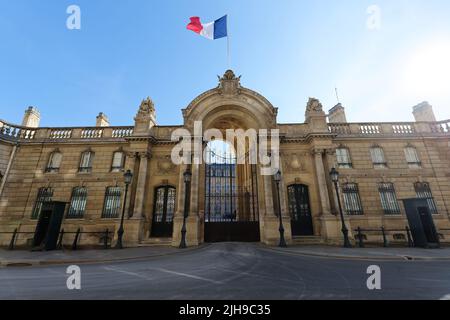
(343, 158)
(352, 200)
(77, 203)
(54, 162)
(118, 161)
(412, 157)
(86, 161)
(388, 198)
(44, 195)
(111, 207)
(378, 159)
(423, 191)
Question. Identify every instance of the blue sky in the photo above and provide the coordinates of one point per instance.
(286, 50)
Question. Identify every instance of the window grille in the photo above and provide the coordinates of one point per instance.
(44, 195)
(77, 203)
(423, 191)
(352, 200)
(388, 198)
(111, 207)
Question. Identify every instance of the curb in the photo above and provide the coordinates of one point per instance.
(365, 258)
(37, 263)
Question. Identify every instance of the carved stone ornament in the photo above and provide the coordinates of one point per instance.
(146, 109)
(165, 165)
(293, 163)
(314, 105)
(229, 84)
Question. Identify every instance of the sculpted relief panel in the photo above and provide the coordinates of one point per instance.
(294, 162)
(164, 165)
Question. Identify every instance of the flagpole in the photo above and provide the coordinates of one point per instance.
(228, 44)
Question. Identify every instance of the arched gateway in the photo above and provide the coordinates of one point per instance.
(227, 189)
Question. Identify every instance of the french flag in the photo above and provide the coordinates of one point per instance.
(212, 30)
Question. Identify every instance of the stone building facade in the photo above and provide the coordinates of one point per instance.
(379, 164)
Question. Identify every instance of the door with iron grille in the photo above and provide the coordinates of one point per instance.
(300, 210)
(163, 211)
(231, 202)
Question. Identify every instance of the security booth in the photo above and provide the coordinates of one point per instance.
(49, 225)
(421, 223)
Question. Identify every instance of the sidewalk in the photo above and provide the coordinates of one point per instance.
(415, 254)
(28, 258)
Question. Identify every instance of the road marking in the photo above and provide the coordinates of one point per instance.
(187, 275)
(128, 273)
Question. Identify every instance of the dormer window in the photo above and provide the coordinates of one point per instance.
(54, 162)
(118, 161)
(86, 160)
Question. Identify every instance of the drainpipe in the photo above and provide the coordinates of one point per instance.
(8, 168)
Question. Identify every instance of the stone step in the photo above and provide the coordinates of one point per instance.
(307, 240)
(151, 242)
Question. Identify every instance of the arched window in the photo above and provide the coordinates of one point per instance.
(54, 162)
(412, 157)
(86, 160)
(343, 158)
(118, 161)
(378, 158)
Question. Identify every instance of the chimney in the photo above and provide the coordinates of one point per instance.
(31, 118)
(102, 120)
(337, 114)
(423, 112)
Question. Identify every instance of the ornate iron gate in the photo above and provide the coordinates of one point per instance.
(231, 201)
(163, 212)
(300, 210)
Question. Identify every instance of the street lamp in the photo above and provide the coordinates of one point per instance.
(334, 174)
(187, 180)
(128, 176)
(277, 178)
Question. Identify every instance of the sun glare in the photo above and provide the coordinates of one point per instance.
(427, 71)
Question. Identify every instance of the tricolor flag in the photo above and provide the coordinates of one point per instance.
(212, 30)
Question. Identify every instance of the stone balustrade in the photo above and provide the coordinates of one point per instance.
(389, 128)
(19, 133)
(14, 132)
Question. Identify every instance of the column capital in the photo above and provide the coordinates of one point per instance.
(317, 151)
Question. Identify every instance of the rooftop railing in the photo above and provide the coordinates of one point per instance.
(19, 133)
(390, 128)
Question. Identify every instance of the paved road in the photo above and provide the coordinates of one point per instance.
(231, 271)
